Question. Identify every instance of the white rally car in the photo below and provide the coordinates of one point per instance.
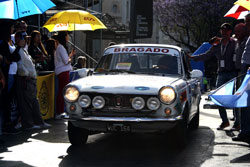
(135, 88)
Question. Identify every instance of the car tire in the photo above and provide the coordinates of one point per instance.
(194, 124)
(77, 136)
(180, 133)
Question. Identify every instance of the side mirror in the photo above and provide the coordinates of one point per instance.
(90, 72)
(196, 74)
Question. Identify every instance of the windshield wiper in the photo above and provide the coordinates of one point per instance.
(121, 71)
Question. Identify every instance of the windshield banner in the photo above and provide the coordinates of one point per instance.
(154, 50)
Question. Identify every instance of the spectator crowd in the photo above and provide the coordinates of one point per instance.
(22, 58)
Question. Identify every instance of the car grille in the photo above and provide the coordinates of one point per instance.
(119, 103)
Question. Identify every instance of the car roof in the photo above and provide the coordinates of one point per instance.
(145, 45)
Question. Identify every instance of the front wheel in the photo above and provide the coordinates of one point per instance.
(77, 136)
(180, 132)
(194, 124)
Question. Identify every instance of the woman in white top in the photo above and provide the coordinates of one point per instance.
(62, 68)
(13, 65)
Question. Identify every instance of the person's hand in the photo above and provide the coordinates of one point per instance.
(72, 53)
(189, 56)
(214, 41)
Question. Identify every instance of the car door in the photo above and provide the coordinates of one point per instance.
(193, 86)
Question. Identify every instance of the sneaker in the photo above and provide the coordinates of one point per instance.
(60, 116)
(18, 125)
(45, 126)
(235, 128)
(223, 125)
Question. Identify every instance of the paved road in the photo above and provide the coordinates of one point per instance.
(50, 148)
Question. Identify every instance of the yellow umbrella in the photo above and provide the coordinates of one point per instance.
(71, 20)
(243, 3)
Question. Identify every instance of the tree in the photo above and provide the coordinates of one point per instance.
(191, 22)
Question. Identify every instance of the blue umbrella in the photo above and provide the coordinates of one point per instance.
(15, 9)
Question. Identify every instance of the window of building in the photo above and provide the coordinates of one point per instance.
(114, 8)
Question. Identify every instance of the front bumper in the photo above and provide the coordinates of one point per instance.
(102, 124)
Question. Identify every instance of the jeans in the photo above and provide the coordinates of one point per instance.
(11, 80)
(237, 116)
(222, 78)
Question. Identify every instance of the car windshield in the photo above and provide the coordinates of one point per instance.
(144, 63)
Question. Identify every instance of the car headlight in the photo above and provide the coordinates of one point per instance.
(98, 102)
(84, 101)
(167, 95)
(138, 103)
(153, 103)
(71, 94)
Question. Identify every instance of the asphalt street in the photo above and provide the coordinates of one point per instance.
(207, 147)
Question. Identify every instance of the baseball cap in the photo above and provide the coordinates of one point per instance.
(226, 26)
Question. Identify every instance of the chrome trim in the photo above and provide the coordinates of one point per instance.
(84, 96)
(139, 99)
(94, 101)
(131, 119)
(150, 100)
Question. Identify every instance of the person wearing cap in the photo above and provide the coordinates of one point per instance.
(26, 88)
(224, 53)
(19, 27)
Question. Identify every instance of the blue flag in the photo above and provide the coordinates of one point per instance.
(224, 96)
(202, 49)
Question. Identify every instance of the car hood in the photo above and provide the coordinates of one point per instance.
(123, 83)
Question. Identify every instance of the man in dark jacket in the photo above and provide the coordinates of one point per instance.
(224, 52)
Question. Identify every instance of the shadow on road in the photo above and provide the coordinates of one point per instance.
(56, 134)
(141, 150)
(14, 163)
(242, 159)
